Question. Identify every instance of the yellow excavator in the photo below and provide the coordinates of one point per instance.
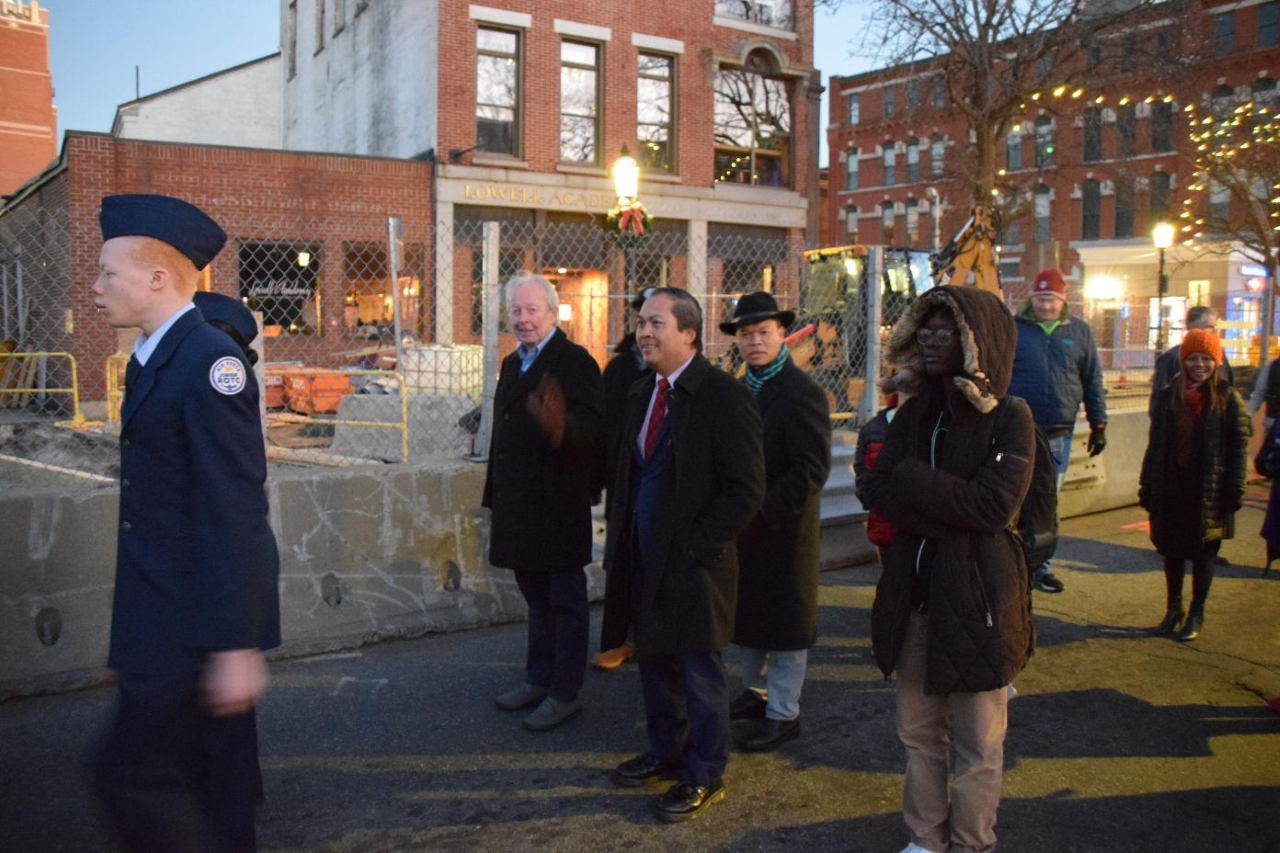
(972, 250)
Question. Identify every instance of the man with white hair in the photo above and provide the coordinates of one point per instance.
(544, 458)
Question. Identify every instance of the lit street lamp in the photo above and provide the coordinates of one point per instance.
(1162, 236)
(626, 184)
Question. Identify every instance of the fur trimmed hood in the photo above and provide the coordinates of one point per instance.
(988, 338)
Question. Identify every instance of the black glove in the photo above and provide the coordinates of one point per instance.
(1097, 440)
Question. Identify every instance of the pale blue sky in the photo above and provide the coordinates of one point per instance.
(94, 46)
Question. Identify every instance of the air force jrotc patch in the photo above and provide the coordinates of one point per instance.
(227, 376)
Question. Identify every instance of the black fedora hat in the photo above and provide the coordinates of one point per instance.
(755, 308)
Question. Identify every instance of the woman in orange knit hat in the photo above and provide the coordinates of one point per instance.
(1193, 473)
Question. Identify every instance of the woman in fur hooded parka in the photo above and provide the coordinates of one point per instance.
(952, 613)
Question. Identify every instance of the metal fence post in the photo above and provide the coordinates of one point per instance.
(491, 307)
(873, 288)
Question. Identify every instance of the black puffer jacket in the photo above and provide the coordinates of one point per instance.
(958, 513)
(1223, 462)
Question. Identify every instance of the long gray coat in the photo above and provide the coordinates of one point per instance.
(711, 488)
(778, 552)
(541, 496)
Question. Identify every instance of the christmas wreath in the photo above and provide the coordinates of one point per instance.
(628, 223)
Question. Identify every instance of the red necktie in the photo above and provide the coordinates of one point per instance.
(655, 417)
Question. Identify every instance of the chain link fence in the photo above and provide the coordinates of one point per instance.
(373, 338)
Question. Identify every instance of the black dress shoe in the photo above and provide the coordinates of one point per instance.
(644, 769)
(747, 706)
(1191, 629)
(771, 734)
(684, 801)
(1171, 622)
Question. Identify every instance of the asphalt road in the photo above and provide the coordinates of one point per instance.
(1118, 741)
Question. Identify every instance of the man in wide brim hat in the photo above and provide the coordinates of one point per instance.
(756, 308)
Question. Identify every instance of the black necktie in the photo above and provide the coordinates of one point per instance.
(131, 372)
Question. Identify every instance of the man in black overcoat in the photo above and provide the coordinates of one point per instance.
(544, 457)
(694, 478)
(777, 619)
(196, 596)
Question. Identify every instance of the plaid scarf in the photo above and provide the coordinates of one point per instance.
(757, 376)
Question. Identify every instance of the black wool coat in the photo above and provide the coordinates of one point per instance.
(540, 496)
(1223, 462)
(778, 552)
(711, 488)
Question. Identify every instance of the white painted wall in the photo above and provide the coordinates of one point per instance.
(373, 87)
(238, 107)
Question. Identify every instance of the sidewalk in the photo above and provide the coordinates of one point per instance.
(1118, 741)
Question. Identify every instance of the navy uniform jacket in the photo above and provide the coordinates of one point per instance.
(196, 565)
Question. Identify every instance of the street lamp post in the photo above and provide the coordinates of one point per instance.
(1162, 237)
(626, 184)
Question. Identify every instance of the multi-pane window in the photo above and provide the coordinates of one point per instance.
(913, 221)
(1268, 24)
(1092, 134)
(655, 122)
(1126, 130)
(497, 90)
(1011, 232)
(1222, 102)
(914, 94)
(853, 109)
(937, 155)
(1219, 203)
(1124, 208)
(752, 128)
(890, 101)
(1091, 210)
(279, 279)
(1042, 205)
(851, 219)
(1044, 67)
(770, 13)
(939, 92)
(1044, 142)
(886, 221)
(1158, 192)
(1130, 53)
(1224, 33)
(1161, 126)
(890, 163)
(851, 169)
(579, 101)
(913, 160)
(1010, 270)
(1013, 150)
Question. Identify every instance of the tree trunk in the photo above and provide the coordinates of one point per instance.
(984, 179)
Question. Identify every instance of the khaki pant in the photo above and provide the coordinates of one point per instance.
(927, 725)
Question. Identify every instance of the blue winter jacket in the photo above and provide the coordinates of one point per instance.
(1055, 373)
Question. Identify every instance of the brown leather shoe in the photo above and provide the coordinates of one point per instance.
(613, 658)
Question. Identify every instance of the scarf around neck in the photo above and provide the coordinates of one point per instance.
(757, 376)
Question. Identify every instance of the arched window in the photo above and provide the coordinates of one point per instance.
(913, 160)
(752, 124)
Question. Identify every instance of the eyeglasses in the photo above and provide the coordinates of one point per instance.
(943, 337)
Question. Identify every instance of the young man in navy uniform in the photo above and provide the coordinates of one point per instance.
(196, 596)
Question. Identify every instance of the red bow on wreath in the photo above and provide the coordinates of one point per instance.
(631, 216)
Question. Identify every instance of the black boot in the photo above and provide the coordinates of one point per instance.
(1191, 630)
(1171, 622)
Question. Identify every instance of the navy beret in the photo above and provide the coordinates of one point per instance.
(219, 308)
(182, 225)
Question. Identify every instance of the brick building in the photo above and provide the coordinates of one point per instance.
(1089, 169)
(307, 245)
(523, 107)
(27, 121)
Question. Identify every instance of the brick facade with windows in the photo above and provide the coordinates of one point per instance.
(1094, 170)
(330, 205)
